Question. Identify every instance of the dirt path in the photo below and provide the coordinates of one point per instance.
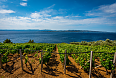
(76, 69)
(53, 68)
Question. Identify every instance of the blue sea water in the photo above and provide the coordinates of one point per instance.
(54, 37)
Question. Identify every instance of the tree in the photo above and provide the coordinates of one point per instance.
(31, 41)
(7, 41)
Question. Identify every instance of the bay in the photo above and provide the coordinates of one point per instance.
(24, 36)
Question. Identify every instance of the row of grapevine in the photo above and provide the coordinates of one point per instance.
(27, 48)
(107, 61)
(83, 58)
(60, 50)
(46, 57)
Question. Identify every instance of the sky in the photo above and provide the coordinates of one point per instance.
(95, 15)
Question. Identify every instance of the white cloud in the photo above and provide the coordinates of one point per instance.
(76, 16)
(57, 22)
(46, 19)
(23, 4)
(66, 16)
(46, 12)
(37, 20)
(71, 16)
(35, 15)
(41, 14)
(58, 17)
(24, 0)
(51, 6)
(108, 8)
(6, 11)
(24, 18)
(104, 11)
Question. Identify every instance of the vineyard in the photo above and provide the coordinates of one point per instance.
(27, 48)
(43, 55)
(82, 55)
(105, 53)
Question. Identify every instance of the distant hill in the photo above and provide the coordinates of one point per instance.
(48, 30)
(69, 31)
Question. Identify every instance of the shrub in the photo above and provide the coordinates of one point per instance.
(83, 43)
(26, 46)
(95, 43)
(114, 44)
(7, 41)
(108, 40)
(31, 41)
(77, 43)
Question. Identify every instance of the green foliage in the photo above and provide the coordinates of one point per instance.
(31, 41)
(61, 50)
(46, 57)
(7, 41)
(26, 59)
(100, 42)
(26, 46)
(40, 60)
(108, 40)
(5, 58)
(29, 48)
(83, 58)
(83, 43)
(19, 46)
(107, 61)
(35, 55)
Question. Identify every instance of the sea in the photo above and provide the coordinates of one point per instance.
(23, 36)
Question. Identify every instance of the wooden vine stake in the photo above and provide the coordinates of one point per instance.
(21, 58)
(114, 61)
(90, 64)
(0, 60)
(41, 61)
(65, 63)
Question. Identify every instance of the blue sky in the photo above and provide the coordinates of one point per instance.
(97, 15)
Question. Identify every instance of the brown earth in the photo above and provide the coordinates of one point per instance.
(53, 69)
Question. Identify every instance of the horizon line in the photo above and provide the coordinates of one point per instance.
(53, 30)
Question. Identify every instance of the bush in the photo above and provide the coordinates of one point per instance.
(83, 43)
(7, 41)
(108, 40)
(26, 46)
(31, 41)
(114, 44)
(95, 43)
(77, 43)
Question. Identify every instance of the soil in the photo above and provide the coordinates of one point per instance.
(53, 69)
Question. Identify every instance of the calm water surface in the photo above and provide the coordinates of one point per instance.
(54, 37)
